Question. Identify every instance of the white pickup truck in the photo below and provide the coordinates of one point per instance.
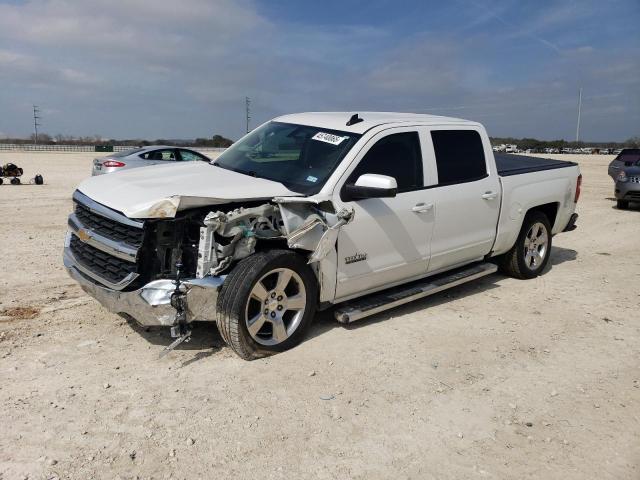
(359, 212)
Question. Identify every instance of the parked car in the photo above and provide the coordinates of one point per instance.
(143, 157)
(627, 187)
(626, 158)
(313, 210)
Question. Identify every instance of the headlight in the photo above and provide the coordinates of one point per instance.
(622, 177)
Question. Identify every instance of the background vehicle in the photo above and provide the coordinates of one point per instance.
(310, 211)
(13, 173)
(626, 158)
(143, 157)
(627, 188)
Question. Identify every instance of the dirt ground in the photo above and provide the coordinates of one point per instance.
(500, 378)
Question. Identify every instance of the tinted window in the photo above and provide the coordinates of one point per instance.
(630, 156)
(189, 156)
(397, 156)
(459, 156)
(159, 155)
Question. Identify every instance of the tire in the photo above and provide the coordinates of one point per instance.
(281, 315)
(38, 179)
(1, 181)
(15, 181)
(522, 261)
(622, 204)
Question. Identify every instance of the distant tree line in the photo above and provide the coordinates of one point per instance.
(217, 141)
(535, 144)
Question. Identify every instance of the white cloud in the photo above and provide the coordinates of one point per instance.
(170, 69)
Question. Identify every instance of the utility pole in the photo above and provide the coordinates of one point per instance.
(579, 108)
(36, 124)
(247, 106)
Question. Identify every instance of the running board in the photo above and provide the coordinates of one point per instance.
(379, 302)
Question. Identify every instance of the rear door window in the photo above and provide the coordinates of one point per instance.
(189, 156)
(165, 154)
(397, 155)
(459, 156)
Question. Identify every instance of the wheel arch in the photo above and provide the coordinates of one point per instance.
(549, 209)
(325, 275)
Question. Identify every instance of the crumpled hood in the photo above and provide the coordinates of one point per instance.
(159, 191)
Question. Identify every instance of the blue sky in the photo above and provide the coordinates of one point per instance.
(164, 68)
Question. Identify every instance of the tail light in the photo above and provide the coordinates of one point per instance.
(113, 163)
(578, 188)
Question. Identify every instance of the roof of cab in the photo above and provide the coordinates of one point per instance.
(338, 120)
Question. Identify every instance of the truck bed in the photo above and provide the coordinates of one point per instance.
(509, 164)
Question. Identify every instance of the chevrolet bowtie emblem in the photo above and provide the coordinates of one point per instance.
(83, 235)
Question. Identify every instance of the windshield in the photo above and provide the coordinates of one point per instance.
(630, 156)
(300, 157)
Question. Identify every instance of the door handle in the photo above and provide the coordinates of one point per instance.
(422, 207)
(489, 195)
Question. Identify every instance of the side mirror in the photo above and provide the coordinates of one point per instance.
(370, 185)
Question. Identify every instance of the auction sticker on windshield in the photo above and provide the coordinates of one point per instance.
(329, 138)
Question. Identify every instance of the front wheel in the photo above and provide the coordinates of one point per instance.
(266, 303)
(622, 204)
(530, 254)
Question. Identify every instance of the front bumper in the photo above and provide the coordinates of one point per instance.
(151, 304)
(628, 191)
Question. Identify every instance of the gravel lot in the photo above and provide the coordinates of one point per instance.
(496, 379)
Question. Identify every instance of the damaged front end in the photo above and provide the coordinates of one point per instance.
(303, 225)
(168, 271)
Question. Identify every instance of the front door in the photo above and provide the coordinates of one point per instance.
(388, 241)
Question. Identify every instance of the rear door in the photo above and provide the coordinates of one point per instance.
(388, 241)
(466, 196)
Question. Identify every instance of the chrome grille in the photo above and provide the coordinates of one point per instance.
(102, 264)
(104, 243)
(107, 227)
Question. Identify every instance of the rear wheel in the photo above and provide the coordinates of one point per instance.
(622, 204)
(15, 181)
(530, 254)
(266, 303)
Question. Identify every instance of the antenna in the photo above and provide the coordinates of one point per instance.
(579, 108)
(354, 119)
(247, 106)
(36, 124)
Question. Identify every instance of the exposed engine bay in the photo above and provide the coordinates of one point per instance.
(208, 242)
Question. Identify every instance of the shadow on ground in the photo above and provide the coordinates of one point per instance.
(207, 341)
(633, 206)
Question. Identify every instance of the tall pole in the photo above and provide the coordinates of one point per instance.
(579, 108)
(247, 105)
(36, 124)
